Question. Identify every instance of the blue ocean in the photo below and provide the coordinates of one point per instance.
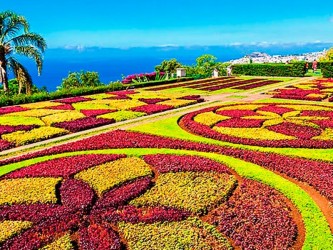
(112, 63)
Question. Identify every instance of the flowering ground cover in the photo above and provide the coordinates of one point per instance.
(29, 123)
(316, 90)
(144, 190)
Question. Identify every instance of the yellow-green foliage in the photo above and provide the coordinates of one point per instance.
(177, 103)
(63, 243)
(104, 177)
(242, 107)
(253, 133)
(19, 120)
(35, 135)
(39, 105)
(189, 234)
(90, 105)
(62, 117)
(210, 118)
(192, 191)
(125, 104)
(122, 115)
(35, 113)
(28, 190)
(323, 96)
(11, 228)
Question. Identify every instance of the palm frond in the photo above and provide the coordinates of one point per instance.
(11, 24)
(29, 39)
(31, 52)
(21, 74)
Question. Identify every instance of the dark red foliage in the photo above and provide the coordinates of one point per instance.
(257, 85)
(275, 109)
(121, 195)
(320, 113)
(133, 214)
(5, 145)
(71, 100)
(98, 237)
(256, 217)
(83, 124)
(152, 108)
(292, 129)
(95, 112)
(62, 167)
(12, 109)
(299, 94)
(241, 123)
(123, 92)
(5, 129)
(65, 106)
(175, 163)
(153, 100)
(237, 113)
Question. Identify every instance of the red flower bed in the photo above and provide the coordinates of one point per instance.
(301, 132)
(71, 100)
(257, 85)
(275, 109)
(65, 106)
(240, 123)
(175, 163)
(236, 113)
(5, 145)
(315, 173)
(256, 217)
(83, 124)
(5, 129)
(62, 167)
(95, 112)
(7, 110)
(153, 100)
(152, 108)
(234, 83)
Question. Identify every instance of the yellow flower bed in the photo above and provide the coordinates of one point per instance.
(62, 117)
(306, 107)
(122, 115)
(39, 105)
(253, 133)
(242, 107)
(35, 135)
(100, 96)
(192, 191)
(19, 120)
(327, 134)
(91, 105)
(177, 103)
(11, 228)
(323, 96)
(210, 118)
(63, 243)
(188, 234)
(125, 104)
(28, 191)
(35, 113)
(104, 177)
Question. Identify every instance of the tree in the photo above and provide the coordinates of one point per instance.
(206, 64)
(328, 56)
(16, 39)
(169, 66)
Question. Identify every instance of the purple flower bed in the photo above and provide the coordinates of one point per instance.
(63, 167)
(83, 124)
(71, 100)
(95, 112)
(152, 108)
(5, 129)
(149, 76)
(7, 110)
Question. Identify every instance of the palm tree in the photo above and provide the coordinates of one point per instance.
(16, 39)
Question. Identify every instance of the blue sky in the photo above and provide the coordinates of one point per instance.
(129, 23)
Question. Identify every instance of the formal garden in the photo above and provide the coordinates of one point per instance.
(241, 161)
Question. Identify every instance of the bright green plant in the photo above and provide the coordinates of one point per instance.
(80, 79)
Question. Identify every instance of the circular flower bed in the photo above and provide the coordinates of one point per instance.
(270, 125)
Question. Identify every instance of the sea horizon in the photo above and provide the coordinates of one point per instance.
(114, 63)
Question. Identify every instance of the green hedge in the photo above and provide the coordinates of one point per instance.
(270, 69)
(327, 69)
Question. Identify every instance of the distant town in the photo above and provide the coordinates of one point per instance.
(259, 57)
